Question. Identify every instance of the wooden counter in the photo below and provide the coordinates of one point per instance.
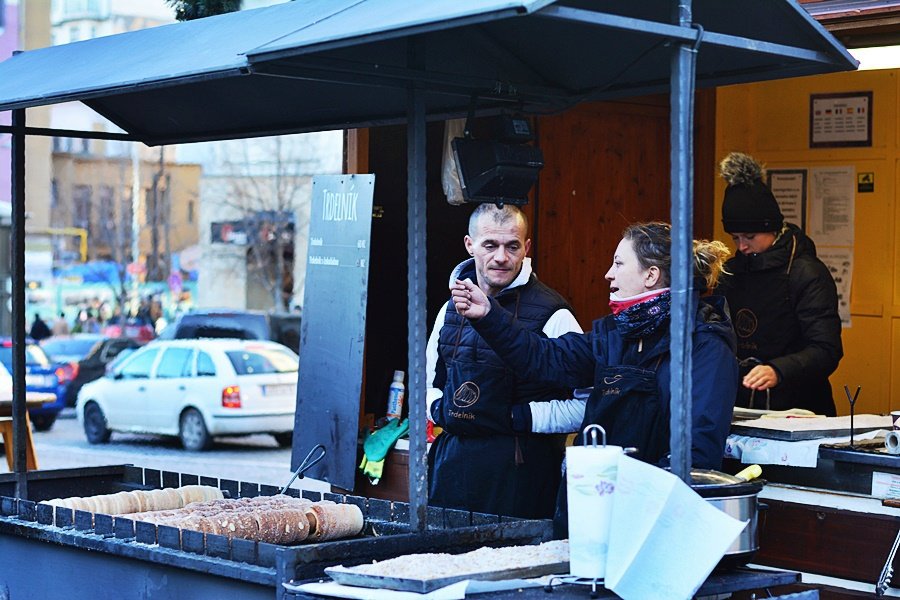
(842, 538)
(32, 400)
(394, 482)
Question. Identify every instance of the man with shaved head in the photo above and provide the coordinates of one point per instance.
(479, 462)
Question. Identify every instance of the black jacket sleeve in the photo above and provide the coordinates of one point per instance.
(565, 361)
(715, 384)
(814, 294)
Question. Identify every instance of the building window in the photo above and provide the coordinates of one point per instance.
(54, 189)
(81, 200)
(149, 205)
(190, 211)
(107, 216)
(125, 220)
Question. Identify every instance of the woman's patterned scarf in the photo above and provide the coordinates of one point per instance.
(642, 319)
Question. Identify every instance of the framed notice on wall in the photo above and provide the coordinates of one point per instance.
(840, 120)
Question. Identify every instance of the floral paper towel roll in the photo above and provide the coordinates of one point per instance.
(590, 483)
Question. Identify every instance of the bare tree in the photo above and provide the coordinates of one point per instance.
(265, 188)
(158, 217)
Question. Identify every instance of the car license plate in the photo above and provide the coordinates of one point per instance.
(281, 389)
(43, 381)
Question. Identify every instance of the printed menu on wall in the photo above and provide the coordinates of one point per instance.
(832, 220)
(840, 264)
(832, 205)
(789, 188)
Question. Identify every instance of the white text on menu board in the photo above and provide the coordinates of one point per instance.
(339, 206)
(322, 260)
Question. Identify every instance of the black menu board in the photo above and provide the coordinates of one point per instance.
(333, 328)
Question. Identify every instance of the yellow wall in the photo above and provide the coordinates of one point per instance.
(771, 121)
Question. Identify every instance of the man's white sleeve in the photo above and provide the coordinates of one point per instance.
(431, 357)
(560, 416)
(561, 322)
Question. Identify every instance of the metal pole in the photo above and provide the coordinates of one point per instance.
(135, 223)
(417, 334)
(18, 302)
(682, 170)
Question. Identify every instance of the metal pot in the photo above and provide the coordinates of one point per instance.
(737, 498)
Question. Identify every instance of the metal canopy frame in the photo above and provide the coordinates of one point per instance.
(302, 59)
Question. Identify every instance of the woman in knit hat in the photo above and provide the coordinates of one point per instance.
(783, 300)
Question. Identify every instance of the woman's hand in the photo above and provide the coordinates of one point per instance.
(469, 300)
(761, 377)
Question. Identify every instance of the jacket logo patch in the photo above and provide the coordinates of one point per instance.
(611, 380)
(466, 395)
(457, 414)
(745, 323)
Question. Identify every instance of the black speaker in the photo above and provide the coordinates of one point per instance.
(494, 172)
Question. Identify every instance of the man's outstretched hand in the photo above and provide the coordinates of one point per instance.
(469, 300)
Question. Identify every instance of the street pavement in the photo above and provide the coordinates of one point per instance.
(255, 458)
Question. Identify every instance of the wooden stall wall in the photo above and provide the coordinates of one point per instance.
(607, 166)
(771, 121)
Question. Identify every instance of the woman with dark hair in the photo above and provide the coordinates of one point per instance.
(626, 356)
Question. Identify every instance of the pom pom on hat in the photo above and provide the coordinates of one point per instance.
(749, 205)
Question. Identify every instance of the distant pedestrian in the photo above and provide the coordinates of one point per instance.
(60, 325)
(39, 329)
(91, 323)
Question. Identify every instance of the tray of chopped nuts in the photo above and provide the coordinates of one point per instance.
(424, 573)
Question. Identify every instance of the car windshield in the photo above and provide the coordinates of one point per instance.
(34, 357)
(69, 349)
(259, 360)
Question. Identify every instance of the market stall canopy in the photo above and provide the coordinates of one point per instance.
(331, 64)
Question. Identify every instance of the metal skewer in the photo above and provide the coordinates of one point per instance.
(852, 401)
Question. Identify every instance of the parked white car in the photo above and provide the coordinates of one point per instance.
(195, 389)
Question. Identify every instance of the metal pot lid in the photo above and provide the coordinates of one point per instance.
(710, 477)
(715, 484)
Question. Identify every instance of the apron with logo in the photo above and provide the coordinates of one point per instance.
(627, 404)
(479, 463)
(765, 324)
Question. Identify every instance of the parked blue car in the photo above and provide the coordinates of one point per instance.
(41, 375)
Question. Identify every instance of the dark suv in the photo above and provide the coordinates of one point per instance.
(87, 355)
(283, 328)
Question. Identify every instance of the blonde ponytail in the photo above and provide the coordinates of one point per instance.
(709, 261)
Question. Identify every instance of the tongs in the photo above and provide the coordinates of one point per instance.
(308, 463)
